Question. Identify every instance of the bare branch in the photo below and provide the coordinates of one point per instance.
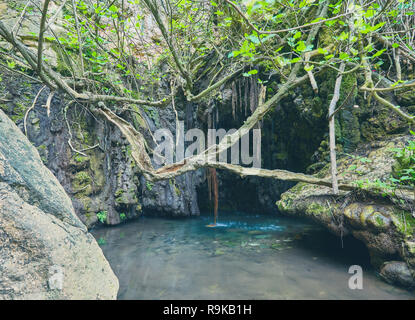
(41, 35)
(28, 110)
(332, 135)
(283, 30)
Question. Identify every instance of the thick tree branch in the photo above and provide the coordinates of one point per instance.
(30, 57)
(332, 134)
(369, 86)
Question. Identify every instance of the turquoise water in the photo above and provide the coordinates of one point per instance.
(245, 257)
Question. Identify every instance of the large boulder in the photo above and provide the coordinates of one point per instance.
(382, 220)
(46, 251)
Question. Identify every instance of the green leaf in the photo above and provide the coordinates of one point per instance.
(322, 51)
(343, 56)
(377, 54)
(309, 68)
(297, 35)
(301, 46)
(113, 9)
(253, 38)
(369, 13)
(344, 36)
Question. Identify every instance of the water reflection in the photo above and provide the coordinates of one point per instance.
(244, 257)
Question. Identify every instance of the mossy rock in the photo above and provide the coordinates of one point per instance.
(404, 222)
(96, 160)
(126, 198)
(4, 107)
(18, 111)
(80, 159)
(316, 209)
(405, 97)
(81, 183)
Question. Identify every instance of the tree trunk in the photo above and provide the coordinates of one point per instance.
(332, 129)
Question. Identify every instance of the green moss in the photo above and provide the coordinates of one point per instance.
(27, 85)
(81, 159)
(41, 147)
(348, 81)
(285, 204)
(366, 213)
(149, 185)
(43, 152)
(379, 221)
(86, 202)
(317, 209)
(124, 197)
(177, 190)
(81, 183)
(411, 247)
(119, 197)
(404, 222)
(288, 198)
(95, 164)
(18, 112)
(83, 177)
(172, 182)
(298, 187)
(119, 192)
(4, 107)
(138, 120)
(153, 114)
(128, 151)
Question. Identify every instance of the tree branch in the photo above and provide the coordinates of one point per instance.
(238, 10)
(41, 35)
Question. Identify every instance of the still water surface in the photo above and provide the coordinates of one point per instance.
(246, 257)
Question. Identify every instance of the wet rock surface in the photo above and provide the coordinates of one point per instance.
(397, 272)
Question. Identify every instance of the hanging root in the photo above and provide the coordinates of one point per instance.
(213, 189)
(205, 159)
(28, 110)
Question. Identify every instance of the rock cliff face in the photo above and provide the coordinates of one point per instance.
(46, 251)
(103, 179)
(383, 222)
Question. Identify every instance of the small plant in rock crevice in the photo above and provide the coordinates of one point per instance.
(404, 169)
(102, 216)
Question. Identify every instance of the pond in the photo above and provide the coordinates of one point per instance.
(245, 257)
